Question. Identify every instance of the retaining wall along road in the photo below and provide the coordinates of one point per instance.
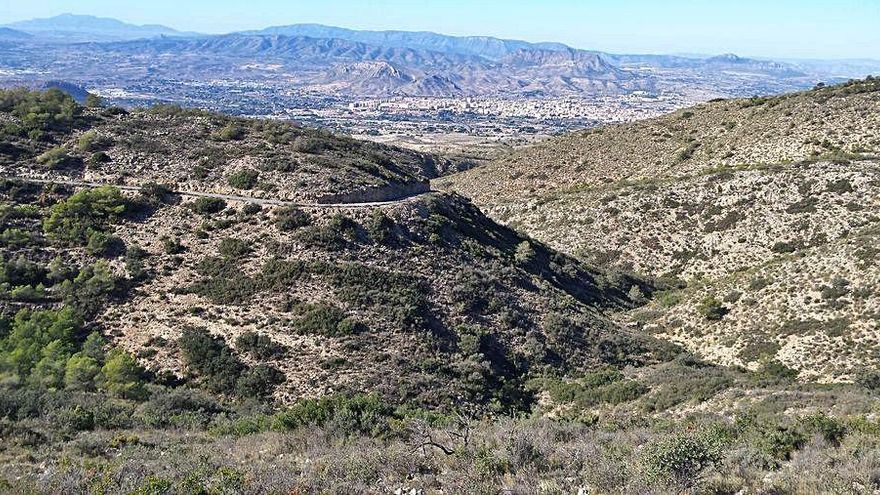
(391, 192)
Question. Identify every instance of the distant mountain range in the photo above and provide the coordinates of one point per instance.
(80, 28)
(384, 63)
(481, 46)
(12, 34)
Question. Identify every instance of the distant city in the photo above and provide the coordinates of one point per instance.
(413, 89)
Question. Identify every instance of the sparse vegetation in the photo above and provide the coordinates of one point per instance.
(244, 179)
(422, 346)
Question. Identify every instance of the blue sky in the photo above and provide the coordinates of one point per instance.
(771, 28)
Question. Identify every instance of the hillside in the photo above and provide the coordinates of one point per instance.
(203, 152)
(763, 206)
(193, 303)
(412, 296)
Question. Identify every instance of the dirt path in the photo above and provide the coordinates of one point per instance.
(227, 197)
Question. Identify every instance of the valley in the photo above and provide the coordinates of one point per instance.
(307, 259)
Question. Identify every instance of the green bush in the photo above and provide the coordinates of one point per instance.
(234, 248)
(20, 271)
(322, 319)
(157, 193)
(832, 430)
(310, 145)
(91, 142)
(774, 371)
(57, 158)
(258, 346)
(680, 459)
(208, 206)
(289, 218)
(220, 370)
(244, 179)
(231, 132)
(177, 407)
(134, 262)
(73, 220)
(211, 359)
(712, 309)
(601, 387)
(365, 414)
(103, 244)
(172, 246)
(259, 381)
(381, 227)
(99, 158)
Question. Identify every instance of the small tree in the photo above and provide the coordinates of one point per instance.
(49, 370)
(525, 253)
(94, 101)
(380, 227)
(680, 459)
(291, 218)
(122, 376)
(93, 347)
(80, 372)
(207, 206)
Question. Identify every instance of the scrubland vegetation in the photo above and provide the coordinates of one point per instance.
(154, 344)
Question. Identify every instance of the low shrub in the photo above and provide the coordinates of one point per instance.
(681, 459)
(244, 179)
(291, 218)
(259, 346)
(208, 206)
(712, 309)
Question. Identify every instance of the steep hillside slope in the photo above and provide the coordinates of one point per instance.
(418, 298)
(765, 209)
(158, 335)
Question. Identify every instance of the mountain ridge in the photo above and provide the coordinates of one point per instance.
(484, 46)
(76, 27)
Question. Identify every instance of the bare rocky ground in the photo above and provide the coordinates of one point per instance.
(764, 206)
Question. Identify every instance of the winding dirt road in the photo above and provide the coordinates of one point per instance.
(227, 197)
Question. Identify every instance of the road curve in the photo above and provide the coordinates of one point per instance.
(227, 197)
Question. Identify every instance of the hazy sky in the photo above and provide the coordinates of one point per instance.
(772, 28)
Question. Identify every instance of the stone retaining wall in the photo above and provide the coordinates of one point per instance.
(391, 192)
